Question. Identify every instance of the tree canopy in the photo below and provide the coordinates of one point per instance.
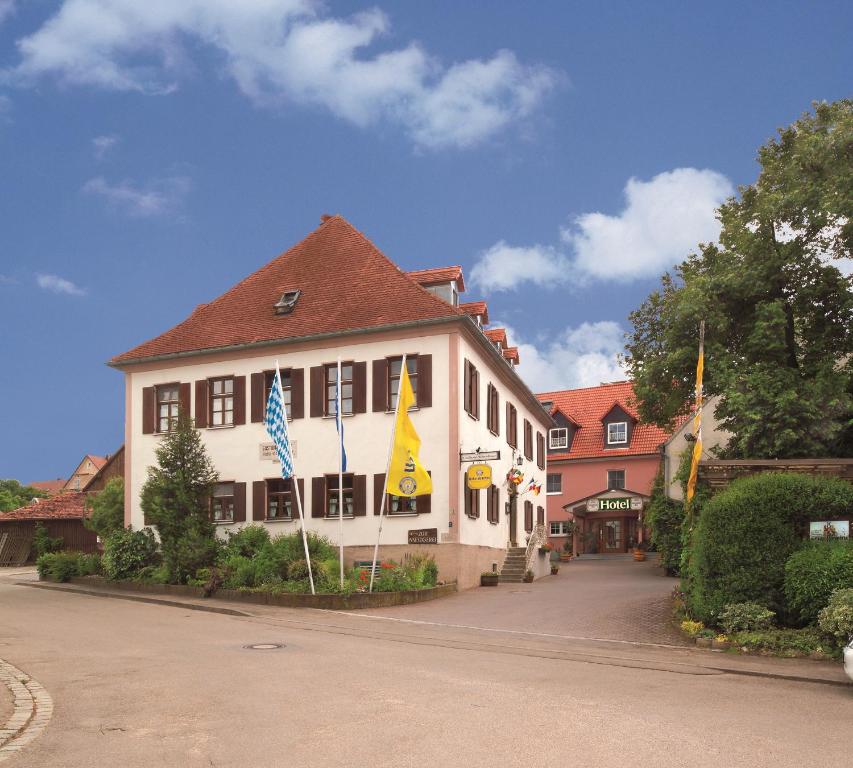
(777, 304)
(13, 495)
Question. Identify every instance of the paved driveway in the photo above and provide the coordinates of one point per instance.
(600, 599)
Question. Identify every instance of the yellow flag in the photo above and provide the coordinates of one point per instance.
(697, 417)
(406, 476)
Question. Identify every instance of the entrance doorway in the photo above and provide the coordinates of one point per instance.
(611, 536)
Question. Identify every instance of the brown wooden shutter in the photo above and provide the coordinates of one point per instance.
(490, 493)
(318, 394)
(540, 515)
(424, 503)
(380, 385)
(318, 497)
(466, 387)
(294, 507)
(528, 516)
(149, 410)
(378, 491)
(259, 499)
(475, 394)
(201, 403)
(476, 503)
(424, 381)
(359, 387)
(359, 495)
(258, 405)
(239, 502)
(467, 502)
(297, 393)
(239, 399)
(508, 410)
(540, 450)
(184, 398)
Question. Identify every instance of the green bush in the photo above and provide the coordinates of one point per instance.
(813, 573)
(247, 542)
(240, 571)
(127, 552)
(836, 619)
(44, 544)
(154, 574)
(745, 534)
(665, 518)
(297, 571)
(745, 617)
(106, 509)
(783, 642)
(63, 566)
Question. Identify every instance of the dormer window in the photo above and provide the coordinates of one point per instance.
(617, 433)
(287, 302)
(558, 438)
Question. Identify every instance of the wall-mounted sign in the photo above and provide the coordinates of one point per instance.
(614, 505)
(268, 451)
(479, 476)
(424, 536)
(480, 456)
(829, 529)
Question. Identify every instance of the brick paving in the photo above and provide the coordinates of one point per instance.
(602, 599)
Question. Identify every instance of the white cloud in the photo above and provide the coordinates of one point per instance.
(582, 356)
(663, 220)
(157, 198)
(502, 267)
(282, 51)
(7, 8)
(101, 145)
(57, 284)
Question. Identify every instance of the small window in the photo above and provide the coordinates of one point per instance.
(559, 528)
(402, 505)
(168, 404)
(279, 500)
(222, 503)
(553, 483)
(287, 302)
(286, 387)
(558, 438)
(346, 388)
(615, 479)
(395, 368)
(617, 432)
(332, 497)
(221, 402)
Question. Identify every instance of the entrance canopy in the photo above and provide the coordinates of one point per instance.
(608, 522)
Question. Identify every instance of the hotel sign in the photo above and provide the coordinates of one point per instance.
(424, 536)
(614, 505)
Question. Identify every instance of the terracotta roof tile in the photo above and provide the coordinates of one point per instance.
(63, 506)
(587, 407)
(439, 275)
(475, 308)
(511, 353)
(347, 284)
(98, 461)
(49, 486)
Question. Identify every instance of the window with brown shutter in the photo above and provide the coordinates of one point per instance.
(528, 440)
(317, 386)
(424, 381)
(168, 406)
(493, 496)
(330, 388)
(359, 387)
(239, 502)
(472, 503)
(221, 402)
(472, 390)
(511, 425)
(259, 491)
(222, 503)
(279, 501)
(149, 410)
(201, 403)
(259, 404)
(528, 516)
(492, 409)
(318, 495)
(540, 450)
(333, 497)
(380, 383)
(540, 515)
(394, 370)
(398, 505)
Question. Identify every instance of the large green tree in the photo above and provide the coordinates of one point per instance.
(13, 495)
(175, 499)
(106, 509)
(777, 304)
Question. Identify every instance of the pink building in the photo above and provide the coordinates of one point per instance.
(602, 462)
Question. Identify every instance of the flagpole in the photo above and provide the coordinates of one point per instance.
(385, 482)
(294, 484)
(340, 425)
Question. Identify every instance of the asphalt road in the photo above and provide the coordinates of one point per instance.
(138, 684)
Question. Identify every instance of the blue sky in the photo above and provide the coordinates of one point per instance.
(152, 154)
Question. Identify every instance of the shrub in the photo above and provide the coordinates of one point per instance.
(297, 570)
(44, 544)
(813, 573)
(745, 534)
(240, 571)
(691, 627)
(127, 552)
(665, 518)
(106, 509)
(247, 542)
(745, 617)
(63, 566)
(782, 642)
(836, 619)
(154, 574)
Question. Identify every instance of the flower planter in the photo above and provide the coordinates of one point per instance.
(639, 555)
(565, 557)
(720, 645)
(489, 579)
(555, 570)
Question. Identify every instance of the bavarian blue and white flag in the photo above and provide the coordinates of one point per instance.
(276, 423)
(339, 421)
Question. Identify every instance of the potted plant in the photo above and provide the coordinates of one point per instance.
(640, 552)
(566, 554)
(489, 579)
(555, 569)
(528, 577)
(545, 549)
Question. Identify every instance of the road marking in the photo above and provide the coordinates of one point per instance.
(33, 709)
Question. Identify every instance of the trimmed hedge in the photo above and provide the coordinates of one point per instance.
(746, 532)
(63, 566)
(813, 573)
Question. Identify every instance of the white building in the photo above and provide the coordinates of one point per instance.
(336, 295)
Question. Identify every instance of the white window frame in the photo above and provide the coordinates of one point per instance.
(610, 431)
(553, 493)
(624, 479)
(552, 445)
(563, 527)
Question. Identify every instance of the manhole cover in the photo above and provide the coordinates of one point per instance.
(264, 646)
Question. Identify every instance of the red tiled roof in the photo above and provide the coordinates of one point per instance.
(347, 284)
(439, 275)
(475, 308)
(587, 406)
(63, 506)
(496, 335)
(98, 461)
(511, 353)
(49, 486)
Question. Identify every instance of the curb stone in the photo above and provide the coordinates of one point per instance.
(33, 708)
